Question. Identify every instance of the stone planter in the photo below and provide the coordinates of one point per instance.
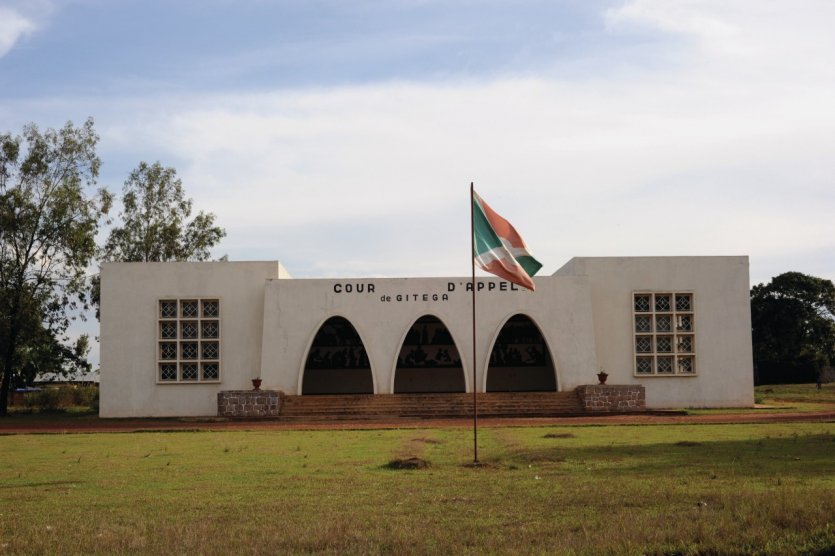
(249, 403)
(602, 398)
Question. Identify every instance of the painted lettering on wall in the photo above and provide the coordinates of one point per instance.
(400, 297)
(353, 288)
(466, 286)
(489, 286)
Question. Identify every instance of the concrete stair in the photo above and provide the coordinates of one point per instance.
(429, 406)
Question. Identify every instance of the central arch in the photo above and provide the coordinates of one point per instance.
(428, 361)
(520, 360)
(337, 362)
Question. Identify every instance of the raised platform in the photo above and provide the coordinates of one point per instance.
(583, 401)
(429, 406)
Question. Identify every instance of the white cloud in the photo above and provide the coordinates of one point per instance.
(747, 36)
(670, 165)
(13, 26)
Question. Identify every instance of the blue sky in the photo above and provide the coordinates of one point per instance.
(146, 46)
(340, 137)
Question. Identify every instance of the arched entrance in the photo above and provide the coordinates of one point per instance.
(428, 360)
(520, 360)
(337, 362)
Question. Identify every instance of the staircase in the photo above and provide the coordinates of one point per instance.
(429, 406)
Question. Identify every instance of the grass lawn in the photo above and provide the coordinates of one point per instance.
(793, 393)
(785, 398)
(766, 488)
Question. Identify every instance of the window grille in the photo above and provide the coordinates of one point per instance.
(188, 348)
(664, 331)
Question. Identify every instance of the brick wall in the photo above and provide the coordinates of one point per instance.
(249, 403)
(608, 398)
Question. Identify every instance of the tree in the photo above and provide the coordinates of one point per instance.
(155, 224)
(48, 220)
(793, 327)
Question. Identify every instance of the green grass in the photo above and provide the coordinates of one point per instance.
(794, 393)
(597, 489)
(784, 398)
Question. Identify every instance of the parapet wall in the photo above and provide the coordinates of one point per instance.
(599, 398)
(249, 403)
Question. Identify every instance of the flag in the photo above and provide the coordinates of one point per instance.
(499, 249)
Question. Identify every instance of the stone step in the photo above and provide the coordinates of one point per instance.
(366, 406)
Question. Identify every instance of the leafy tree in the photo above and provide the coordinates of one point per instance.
(793, 327)
(155, 224)
(48, 222)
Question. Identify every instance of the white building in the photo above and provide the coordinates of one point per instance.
(173, 335)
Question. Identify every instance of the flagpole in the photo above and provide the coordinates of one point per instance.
(472, 261)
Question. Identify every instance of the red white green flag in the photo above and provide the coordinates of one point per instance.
(498, 247)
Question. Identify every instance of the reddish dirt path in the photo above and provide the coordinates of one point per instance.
(58, 425)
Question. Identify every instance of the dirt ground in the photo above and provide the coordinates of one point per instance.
(45, 425)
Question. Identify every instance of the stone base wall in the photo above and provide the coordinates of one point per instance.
(610, 398)
(249, 403)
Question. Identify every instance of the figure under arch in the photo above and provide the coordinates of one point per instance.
(337, 362)
(520, 360)
(428, 361)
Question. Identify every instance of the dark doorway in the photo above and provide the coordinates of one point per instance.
(428, 360)
(520, 360)
(337, 362)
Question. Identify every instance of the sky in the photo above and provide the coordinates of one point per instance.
(340, 137)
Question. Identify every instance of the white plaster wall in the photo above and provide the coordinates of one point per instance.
(129, 296)
(722, 316)
(295, 309)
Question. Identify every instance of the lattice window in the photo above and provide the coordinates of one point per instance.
(168, 330)
(189, 341)
(189, 371)
(664, 329)
(685, 365)
(188, 309)
(168, 350)
(684, 302)
(685, 344)
(188, 330)
(642, 303)
(210, 350)
(210, 329)
(211, 309)
(643, 365)
(167, 371)
(168, 309)
(665, 365)
(211, 371)
(188, 350)
(662, 303)
(684, 323)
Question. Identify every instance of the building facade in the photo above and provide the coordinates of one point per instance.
(173, 335)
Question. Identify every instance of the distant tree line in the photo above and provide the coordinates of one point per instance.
(793, 328)
(50, 213)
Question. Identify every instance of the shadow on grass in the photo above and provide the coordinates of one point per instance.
(811, 455)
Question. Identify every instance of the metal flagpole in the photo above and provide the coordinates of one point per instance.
(472, 261)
